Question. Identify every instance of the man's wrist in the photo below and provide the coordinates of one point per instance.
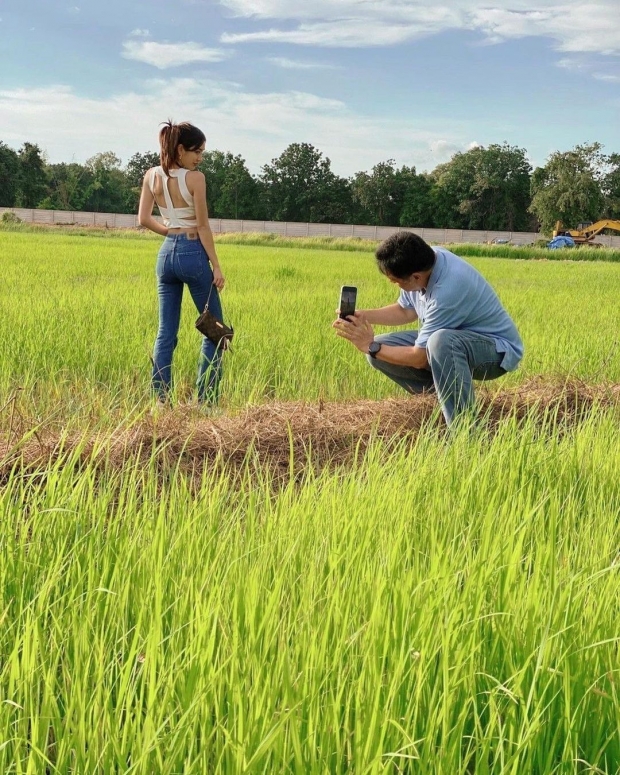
(373, 348)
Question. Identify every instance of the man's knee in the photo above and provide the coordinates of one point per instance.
(439, 342)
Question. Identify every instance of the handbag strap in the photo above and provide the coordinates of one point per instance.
(209, 299)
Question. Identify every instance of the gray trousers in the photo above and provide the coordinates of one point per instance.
(456, 358)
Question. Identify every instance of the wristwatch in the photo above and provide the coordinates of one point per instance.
(373, 349)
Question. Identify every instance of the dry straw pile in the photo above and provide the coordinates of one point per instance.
(285, 437)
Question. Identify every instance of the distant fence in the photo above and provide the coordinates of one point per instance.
(289, 229)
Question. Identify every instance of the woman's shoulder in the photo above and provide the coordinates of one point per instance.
(150, 173)
(193, 179)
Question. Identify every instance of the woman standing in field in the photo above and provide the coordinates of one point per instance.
(187, 255)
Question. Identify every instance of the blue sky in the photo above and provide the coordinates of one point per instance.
(362, 80)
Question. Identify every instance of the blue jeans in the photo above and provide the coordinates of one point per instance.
(184, 261)
(455, 359)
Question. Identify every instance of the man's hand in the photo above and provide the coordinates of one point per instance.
(356, 329)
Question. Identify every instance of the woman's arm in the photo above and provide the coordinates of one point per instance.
(145, 210)
(197, 186)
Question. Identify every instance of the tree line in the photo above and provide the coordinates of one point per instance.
(492, 187)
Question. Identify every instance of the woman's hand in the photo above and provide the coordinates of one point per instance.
(218, 278)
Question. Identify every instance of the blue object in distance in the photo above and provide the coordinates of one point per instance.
(562, 241)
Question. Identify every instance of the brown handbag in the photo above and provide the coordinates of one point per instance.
(214, 329)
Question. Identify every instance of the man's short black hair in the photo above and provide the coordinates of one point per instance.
(403, 254)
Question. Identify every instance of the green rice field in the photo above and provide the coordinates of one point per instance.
(426, 603)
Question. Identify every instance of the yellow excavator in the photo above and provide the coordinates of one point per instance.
(585, 233)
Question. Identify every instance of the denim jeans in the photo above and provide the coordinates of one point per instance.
(183, 261)
(455, 359)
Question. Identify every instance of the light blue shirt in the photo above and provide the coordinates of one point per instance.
(458, 297)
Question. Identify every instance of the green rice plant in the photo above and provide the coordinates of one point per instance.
(72, 230)
(437, 604)
(463, 249)
(259, 239)
(356, 244)
(79, 316)
(446, 607)
(536, 253)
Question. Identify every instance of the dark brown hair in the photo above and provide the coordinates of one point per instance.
(171, 136)
(403, 254)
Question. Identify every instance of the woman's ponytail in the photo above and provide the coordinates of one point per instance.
(171, 136)
(168, 142)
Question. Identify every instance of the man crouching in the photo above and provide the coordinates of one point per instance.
(464, 332)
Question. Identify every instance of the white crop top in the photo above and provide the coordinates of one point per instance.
(175, 217)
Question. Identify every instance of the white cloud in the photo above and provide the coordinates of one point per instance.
(574, 26)
(568, 63)
(164, 55)
(606, 77)
(443, 147)
(293, 64)
(140, 33)
(353, 34)
(587, 65)
(259, 126)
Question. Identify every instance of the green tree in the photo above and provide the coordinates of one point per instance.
(232, 192)
(67, 186)
(611, 187)
(32, 180)
(9, 174)
(300, 186)
(134, 174)
(107, 192)
(389, 196)
(569, 188)
(484, 188)
(418, 204)
(380, 194)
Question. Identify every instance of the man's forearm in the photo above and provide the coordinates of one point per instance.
(415, 357)
(394, 315)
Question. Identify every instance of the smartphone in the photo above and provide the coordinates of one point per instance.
(348, 297)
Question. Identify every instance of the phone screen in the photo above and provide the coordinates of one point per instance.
(348, 297)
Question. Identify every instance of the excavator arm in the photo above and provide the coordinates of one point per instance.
(587, 233)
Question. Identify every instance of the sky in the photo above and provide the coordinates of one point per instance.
(363, 81)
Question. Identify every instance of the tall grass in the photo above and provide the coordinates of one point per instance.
(71, 230)
(79, 317)
(355, 244)
(522, 252)
(536, 253)
(447, 605)
(448, 609)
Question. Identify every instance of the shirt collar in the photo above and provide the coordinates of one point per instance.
(438, 269)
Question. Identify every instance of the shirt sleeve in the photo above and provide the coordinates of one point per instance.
(449, 311)
(405, 301)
